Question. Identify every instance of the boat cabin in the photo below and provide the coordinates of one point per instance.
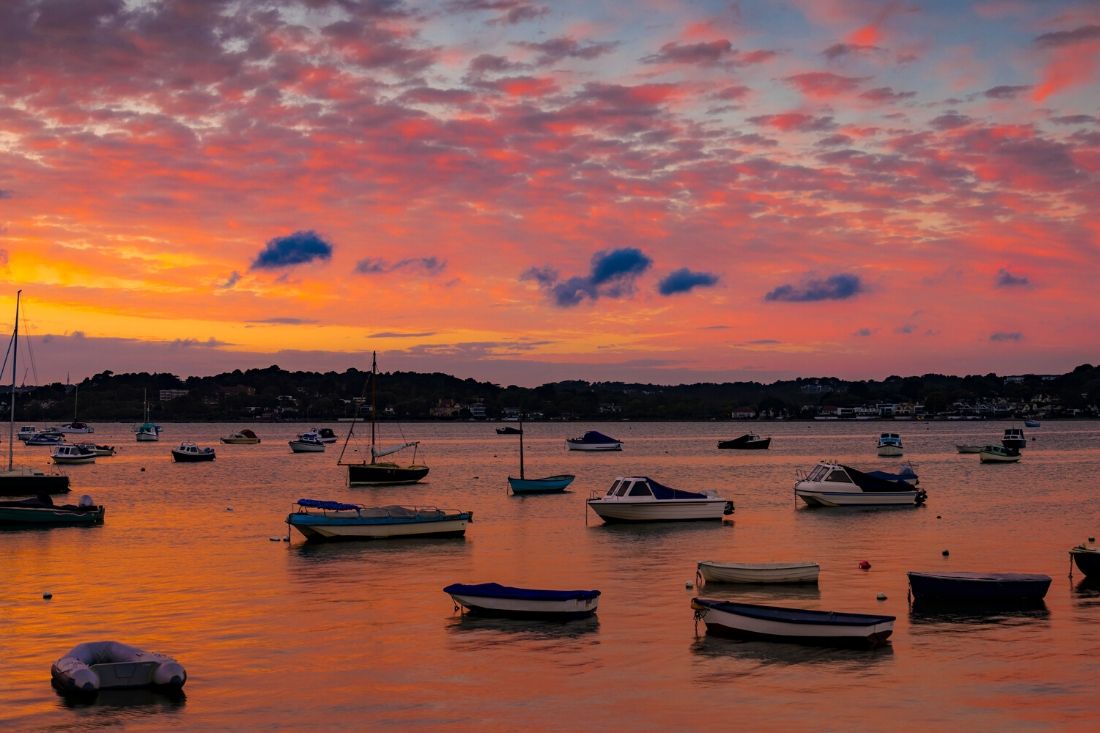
(642, 488)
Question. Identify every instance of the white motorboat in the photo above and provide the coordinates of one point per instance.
(999, 454)
(99, 449)
(147, 433)
(72, 454)
(242, 437)
(832, 484)
(26, 432)
(758, 572)
(46, 437)
(307, 443)
(641, 499)
(889, 445)
(593, 440)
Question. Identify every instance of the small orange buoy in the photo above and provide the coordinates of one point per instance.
(864, 565)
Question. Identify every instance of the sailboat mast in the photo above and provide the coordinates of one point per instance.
(521, 449)
(14, 359)
(373, 395)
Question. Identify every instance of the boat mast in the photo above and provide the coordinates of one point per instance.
(373, 382)
(521, 449)
(14, 358)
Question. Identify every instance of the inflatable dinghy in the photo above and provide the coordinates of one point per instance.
(97, 665)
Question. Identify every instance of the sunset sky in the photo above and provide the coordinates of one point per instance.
(524, 191)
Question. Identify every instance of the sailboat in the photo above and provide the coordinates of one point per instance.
(378, 473)
(76, 426)
(147, 432)
(25, 481)
(546, 485)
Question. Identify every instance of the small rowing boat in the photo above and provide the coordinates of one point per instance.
(493, 599)
(799, 625)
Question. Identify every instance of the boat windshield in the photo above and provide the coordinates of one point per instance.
(838, 475)
(640, 489)
(818, 473)
(623, 489)
(611, 491)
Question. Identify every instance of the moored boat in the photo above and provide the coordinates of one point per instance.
(508, 430)
(748, 441)
(241, 437)
(380, 473)
(333, 520)
(96, 665)
(327, 435)
(998, 454)
(493, 599)
(977, 587)
(831, 484)
(26, 431)
(307, 443)
(889, 445)
(147, 432)
(76, 427)
(72, 455)
(593, 440)
(758, 572)
(545, 485)
(641, 499)
(46, 437)
(40, 511)
(798, 625)
(1087, 559)
(1031, 423)
(188, 452)
(966, 448)
(98, 448)
(1014, 438)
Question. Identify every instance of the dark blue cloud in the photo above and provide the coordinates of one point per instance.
(1006, 336)
(295, 249)
(684, 280)
(1006, 279)
(378, 266)
(233, 279)
(612, 276)
(836, 287)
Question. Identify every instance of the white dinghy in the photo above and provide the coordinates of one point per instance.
(758, 572)
(98, 665)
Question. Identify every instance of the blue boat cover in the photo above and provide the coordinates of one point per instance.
(661, 491)
(495, 590)
(320, 504)
(905, 474)
(593, 436)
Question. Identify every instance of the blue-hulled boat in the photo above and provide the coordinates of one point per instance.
(545, 485)
(493, 599)
(593, 440)
(799, 625)
(333, 520)
(969, 587)
(1031, 423)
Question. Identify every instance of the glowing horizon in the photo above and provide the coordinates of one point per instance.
(524, 192)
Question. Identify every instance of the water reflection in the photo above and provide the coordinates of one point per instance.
(765, 593)
(927, 613)
(1088, 589)
(117, 705)
(788, 653)
(476, 631)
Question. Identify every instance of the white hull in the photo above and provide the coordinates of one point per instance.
(593, 447)
(382, 531)
(518, 606)
(996, 458)
(739, 572)
(73, 460)
(299, 447)
(76, 431)
(147, 437)
(655, 511)
(772, 628)
(857, 498)
(889, 451)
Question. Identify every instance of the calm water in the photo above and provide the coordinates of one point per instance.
(356, 636)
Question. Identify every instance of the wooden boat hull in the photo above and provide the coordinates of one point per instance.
(773, 623)
(778, 572)
(315, 527)
(1087, 560)
(978, 587)
(521, 603)
(669, 510)
(27, 482)
(384, 474)
(547, 485)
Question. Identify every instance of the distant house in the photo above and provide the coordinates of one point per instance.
(167, 395)
(743, 413)
(445, 408)
(477, 410)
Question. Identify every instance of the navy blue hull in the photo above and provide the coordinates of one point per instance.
(1087, 562)
(978, 587)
